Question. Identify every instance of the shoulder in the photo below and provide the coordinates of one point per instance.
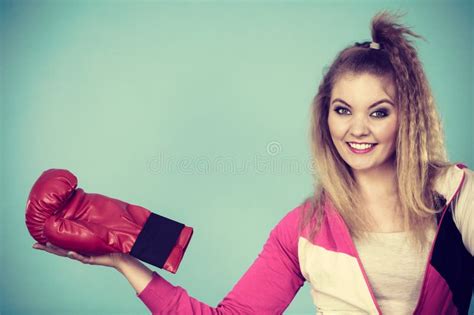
(294, 216)
(453, 180)
(465, 197)
(291, 219)
(468, 182)
(287, 229)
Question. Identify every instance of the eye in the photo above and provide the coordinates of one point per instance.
(340, 110)
(381, 113)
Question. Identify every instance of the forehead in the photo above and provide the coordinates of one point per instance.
(363, 87)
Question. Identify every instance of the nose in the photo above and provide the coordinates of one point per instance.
(359, 127)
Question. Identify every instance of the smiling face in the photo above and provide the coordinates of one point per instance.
(362, 110)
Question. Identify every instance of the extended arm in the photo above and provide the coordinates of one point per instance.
(136, 273)
(267, 287)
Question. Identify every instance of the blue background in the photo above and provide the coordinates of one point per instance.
(198, 111)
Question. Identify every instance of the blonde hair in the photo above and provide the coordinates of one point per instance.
(420, 150)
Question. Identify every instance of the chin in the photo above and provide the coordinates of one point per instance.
(371, 165)
(357, 167)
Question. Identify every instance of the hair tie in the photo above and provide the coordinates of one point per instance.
(373, 45)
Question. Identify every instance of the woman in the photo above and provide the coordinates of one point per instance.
(389, 228)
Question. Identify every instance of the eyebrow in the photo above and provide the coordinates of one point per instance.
(373, 105)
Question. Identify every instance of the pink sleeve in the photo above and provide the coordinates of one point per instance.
(268, 286)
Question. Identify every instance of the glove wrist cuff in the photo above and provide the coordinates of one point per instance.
(162, 242)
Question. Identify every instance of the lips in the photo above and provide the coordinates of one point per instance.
(361, 151)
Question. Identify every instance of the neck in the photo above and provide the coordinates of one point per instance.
(378, 184)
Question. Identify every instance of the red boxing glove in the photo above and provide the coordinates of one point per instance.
(93, 224)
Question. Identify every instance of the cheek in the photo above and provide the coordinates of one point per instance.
(335, 128)
(388, 132)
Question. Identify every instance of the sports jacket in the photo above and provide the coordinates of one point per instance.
(332, 266)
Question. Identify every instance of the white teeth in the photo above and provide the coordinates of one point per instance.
(360, 146)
